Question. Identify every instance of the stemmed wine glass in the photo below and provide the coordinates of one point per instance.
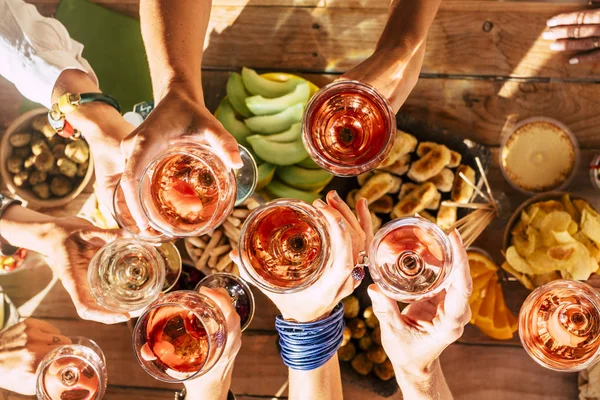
(187, 191)
(180, 336)
(126, 275)
(559, 325)
(410, 259)
(73, 371)
(284, 246)
(348, 128)
(238, 290)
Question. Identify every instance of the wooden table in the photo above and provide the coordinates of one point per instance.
(485, 61)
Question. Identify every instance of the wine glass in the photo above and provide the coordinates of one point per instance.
(284, 246)
(126, 275)
(180, 336)
(410, 259)
(187, 191)
(237, 289)
(559, 325)
(73, 371)
(348, 128)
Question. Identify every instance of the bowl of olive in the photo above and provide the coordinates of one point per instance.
(41, 167)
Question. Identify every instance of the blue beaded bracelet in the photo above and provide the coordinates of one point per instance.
(308, 346)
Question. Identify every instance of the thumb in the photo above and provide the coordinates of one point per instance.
(385, 309)
(226, 147)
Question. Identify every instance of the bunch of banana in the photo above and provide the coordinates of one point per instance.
(419, 175)
(272, 107)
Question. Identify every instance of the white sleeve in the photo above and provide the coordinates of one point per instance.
(34, 50)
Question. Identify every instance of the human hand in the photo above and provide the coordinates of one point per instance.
(215, 383)
(70, 247)
(103, 128)
(414, 338)
(179, 116)
(393, 72)
(22, 348)
(348, 237)
(576, 31)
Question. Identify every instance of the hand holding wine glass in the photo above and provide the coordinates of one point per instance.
(348, 236)
(22, 347)
(179, 116)
(215, 383)
(74, 242)
(415, 337)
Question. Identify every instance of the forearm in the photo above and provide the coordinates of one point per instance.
(212, 386)
(430, 385)
(99, 122)
(408, 24)
(22, 227)
(324, 383)
(174, 33)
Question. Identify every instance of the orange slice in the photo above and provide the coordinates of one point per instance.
(504, 322)
(485, 316)
(479, 290)
(480, 264)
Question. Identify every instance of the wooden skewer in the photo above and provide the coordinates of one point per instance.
(474, 206)
(475, 188)
(487, 184)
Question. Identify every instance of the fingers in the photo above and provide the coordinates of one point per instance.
(364, 218)
(575, 44)
(586, 58)
(47, 338)
(43, 326)
(385, 309)
(223, 301)
(106, 235)
(86, 306)
(572, 32)
(456, 305)
(580, 18)
(225, 146)
(340, 205)
(341, 245)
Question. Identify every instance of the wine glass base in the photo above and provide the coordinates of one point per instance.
(239, 292)
(245, 177)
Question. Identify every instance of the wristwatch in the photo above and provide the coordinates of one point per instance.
(5, 248)
(181, 395)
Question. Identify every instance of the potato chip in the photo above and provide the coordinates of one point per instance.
(541, 262)
(590, 225)
(519, 227)
(537, 216)
(569, 207)
(581, 205)
(524, 279)
(557, 221)
(549, 206)
(517, 262)
(573, 227)
(526, 241)
(562, 237)
(581, 266)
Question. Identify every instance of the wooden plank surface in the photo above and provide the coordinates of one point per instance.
(468, 38)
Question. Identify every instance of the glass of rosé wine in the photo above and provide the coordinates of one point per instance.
(348, 128)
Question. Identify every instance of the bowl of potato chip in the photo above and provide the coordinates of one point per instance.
(552, 236)
(41, 167)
